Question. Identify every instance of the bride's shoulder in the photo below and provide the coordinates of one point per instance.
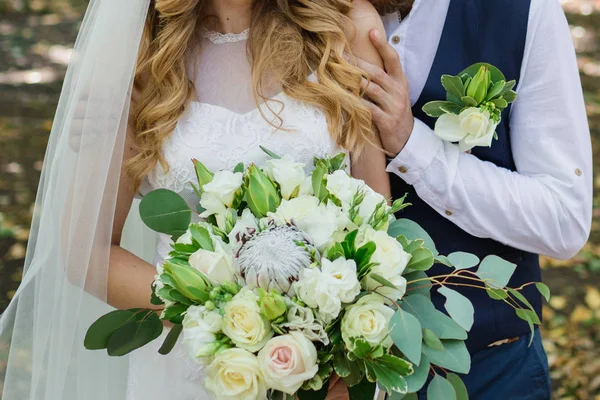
(362, 19)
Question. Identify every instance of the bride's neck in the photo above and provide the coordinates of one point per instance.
(228, 16)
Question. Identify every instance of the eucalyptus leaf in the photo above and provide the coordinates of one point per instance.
(134, 335)
(415, 284)
(99, 332)
(521, 313)
(524, 300)
(544, 290)
(462, 260)
(454, 357)
(444, 261)
(418, 378)
(171, 339)
(440, 389)
(459, 307)
(165, 211)
(495, 271)
(407, 334)
(422, 259)
(431, 340)
(496, 294)
(459, 386)
(423, 309)
(412, 231)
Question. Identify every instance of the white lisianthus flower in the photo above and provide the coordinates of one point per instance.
(303, 319)
(319, 221)
(199, 329)
(243, 324)
(368, 318)
(235, 374)
(391, 260)
(316, 291)
(287, 361)
(216, 265)
(246, 225)
(343, 274)
(288, 173)
(218, 194)
(343, 186)
(473, 127)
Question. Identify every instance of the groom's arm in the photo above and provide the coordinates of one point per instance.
(545, 206)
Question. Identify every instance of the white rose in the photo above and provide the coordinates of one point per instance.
(473, 127)
(343, 274)
(246, 224)
(235, 374)
(368, 318)
(318, 221)
(243, 324)
(391, 259)
(199, 328)
(317, 290)
(343, 186)
(288, 173)
(218, 194)
(287, 361)
(303, 319)
(217, 265)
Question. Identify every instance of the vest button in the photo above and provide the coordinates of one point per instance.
(395, 39)
(449, 213)
(403, 169)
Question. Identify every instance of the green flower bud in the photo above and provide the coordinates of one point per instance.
(210, 305)
(272, 305)
(188, 281)
(478, 88)
(261, 193)
(202, 173)
(231, 287)
(227, 297)
(208, 349)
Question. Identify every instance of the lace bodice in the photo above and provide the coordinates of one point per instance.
(222, 128)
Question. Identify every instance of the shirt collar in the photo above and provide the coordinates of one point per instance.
(392, 21)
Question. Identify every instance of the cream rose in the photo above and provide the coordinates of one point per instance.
(368, 318)
(288, 173)
(243, 324)
(287, 361)
(473, 127)
(217, 265)
(235, 374)
(218, 195)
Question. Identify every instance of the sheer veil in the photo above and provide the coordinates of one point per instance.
(64, 281)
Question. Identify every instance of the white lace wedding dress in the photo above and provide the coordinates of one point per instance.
(222, 128)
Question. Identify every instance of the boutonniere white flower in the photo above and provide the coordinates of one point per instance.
(475, 99)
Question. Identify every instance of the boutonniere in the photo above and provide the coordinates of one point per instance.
(474, 102)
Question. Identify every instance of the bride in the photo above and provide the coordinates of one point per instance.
(152, 85)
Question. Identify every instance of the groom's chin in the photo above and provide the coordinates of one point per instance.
(388, 6)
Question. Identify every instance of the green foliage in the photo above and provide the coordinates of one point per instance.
(171, 339)
(319, 183)
(418, 379)
(431, 340)
(459, 386)
(166, 212)
(454, 356)
(495, 271)
(412, 231)
(440, 389)
(462, 260)
(261, 194)
(459, 307)
(407, 335)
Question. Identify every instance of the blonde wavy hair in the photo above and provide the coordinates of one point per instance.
(289, 39)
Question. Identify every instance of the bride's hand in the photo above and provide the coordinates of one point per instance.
(337, 389)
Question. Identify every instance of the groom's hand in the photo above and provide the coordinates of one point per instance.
(388, 96)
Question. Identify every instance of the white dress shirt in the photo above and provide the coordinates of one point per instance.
(545, 206)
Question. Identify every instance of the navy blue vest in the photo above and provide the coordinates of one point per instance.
(492, 31)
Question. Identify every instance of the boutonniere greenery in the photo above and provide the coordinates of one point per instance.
(475, 99)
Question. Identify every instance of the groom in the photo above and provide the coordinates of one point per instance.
(529, 194)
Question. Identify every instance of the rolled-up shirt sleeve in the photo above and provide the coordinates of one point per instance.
(544, 206)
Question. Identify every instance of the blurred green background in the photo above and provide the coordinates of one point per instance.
(35, 41)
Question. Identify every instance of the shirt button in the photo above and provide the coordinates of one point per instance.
(578, 172)
(395, 39)
(403, 169)
(449, 213)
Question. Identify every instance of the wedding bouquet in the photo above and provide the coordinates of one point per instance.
(287, 278)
